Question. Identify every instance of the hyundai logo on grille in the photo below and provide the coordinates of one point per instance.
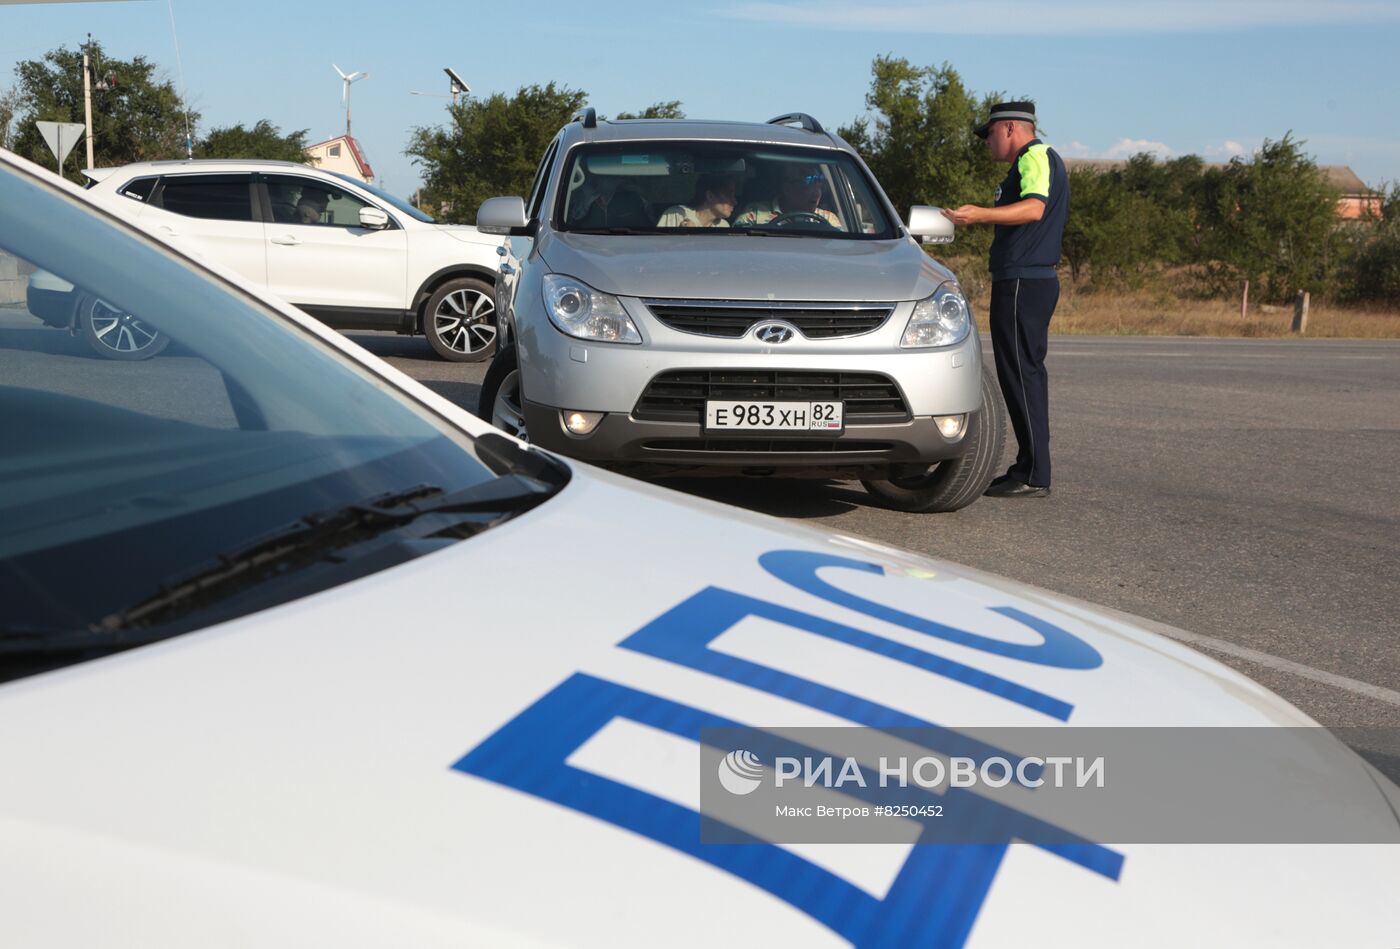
(773, 332)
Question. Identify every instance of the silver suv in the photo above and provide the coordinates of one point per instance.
(683, 297)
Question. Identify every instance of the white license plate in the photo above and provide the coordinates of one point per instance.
(735, 416)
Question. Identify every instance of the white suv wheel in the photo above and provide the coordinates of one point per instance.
(116, 334)
(461, 321)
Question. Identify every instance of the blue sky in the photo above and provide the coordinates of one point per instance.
(1211, 77)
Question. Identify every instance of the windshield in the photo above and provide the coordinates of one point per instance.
(173, 453)
(721, 189)
(387, 198)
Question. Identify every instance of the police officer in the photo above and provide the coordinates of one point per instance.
(1031, 206)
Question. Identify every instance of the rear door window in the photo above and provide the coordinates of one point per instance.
(216, 197)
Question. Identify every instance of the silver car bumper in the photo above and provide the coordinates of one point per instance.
(891, 394)
(623, 440)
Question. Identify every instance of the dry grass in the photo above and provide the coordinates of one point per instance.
(1147, 313)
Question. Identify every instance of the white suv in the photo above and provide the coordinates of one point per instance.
(371, 260)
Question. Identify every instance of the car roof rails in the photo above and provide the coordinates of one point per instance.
(802, 118)
(587, 116)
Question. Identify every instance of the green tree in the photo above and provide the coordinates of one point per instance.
(1114, 235)
(1372, 272)
(139, 117)
(1270, 220)
(9, 105)
(1130, 221)
(657, 110)
(263, 140)
(492, 147)
(1173, 190)
(918, 140)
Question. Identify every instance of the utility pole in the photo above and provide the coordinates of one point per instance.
(87, 100)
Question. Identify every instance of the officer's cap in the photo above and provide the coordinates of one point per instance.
(1025, 111)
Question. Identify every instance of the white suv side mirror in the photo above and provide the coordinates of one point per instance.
(501, 216)
(930, 225)
(373, 218)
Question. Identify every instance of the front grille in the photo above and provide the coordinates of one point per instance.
(732, 320)
(680, 395)
(768, 446)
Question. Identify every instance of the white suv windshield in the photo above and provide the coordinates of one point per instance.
(718, 188)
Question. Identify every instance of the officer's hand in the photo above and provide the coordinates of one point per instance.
(967, 214)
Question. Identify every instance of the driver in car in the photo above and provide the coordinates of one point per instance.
(799, 193)
(311, 206)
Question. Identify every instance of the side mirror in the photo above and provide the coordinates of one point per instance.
(374, 219)
(930, 225)
(504, 216)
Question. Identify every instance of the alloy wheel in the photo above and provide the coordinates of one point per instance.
(466, 321)
(119, 331)
(507, 412)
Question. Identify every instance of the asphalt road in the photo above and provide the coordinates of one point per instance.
(1242, 490)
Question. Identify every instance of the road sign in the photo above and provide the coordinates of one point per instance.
(61, 137)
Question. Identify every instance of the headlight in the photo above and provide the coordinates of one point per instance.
(579, 310)
(940, 320)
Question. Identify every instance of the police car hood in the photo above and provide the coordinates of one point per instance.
(738, 267)
(296, 777)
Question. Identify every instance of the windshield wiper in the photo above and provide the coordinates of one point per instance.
(319, 536)
(774, 232)
(416, 513)
(604, 230)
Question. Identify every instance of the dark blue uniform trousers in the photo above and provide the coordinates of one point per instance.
(1021, 311)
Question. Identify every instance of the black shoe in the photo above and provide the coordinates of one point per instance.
(1009, 487)
(1000, 480)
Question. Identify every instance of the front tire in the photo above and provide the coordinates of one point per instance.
(115, 334)
(460, 320)
(957, 482)
(502, 398)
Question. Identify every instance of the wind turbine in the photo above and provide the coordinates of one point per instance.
(345, 91)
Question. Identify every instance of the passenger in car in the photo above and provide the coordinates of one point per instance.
(311, 206)
(799, 191)
(715, 199)
(588, 206)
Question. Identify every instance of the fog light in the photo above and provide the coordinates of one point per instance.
(581, 423)
(950, 425)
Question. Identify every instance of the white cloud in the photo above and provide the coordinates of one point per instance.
(1225, 150)
(1075, 150)
(1128, 147)
(1069, 17)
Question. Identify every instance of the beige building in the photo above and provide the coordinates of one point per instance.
(341, 154)
(1356, 201)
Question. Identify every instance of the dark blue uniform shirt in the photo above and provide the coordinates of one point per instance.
(1031, 251)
